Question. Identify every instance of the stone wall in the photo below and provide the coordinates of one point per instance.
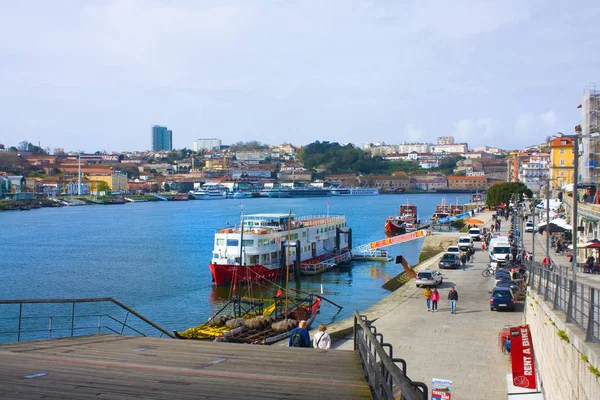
(563, 357)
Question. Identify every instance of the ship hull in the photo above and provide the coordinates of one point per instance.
(395, 227)
(227, 274)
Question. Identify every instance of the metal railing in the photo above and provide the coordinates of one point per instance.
(580, 302)
(34, 323)
(385, 378)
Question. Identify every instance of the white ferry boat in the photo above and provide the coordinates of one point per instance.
(211, 192)
(255, 250)
(354, 191)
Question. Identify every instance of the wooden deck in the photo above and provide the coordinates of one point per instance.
(110, 366)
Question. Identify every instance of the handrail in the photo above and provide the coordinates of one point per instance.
(73, 328)
(385, 378)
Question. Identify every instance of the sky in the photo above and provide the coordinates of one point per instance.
(94, 75)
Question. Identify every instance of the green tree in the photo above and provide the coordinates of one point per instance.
(103, 187)
(503, 193)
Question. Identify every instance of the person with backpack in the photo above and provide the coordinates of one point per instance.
(463, 259)
(322, 339)
(299, 336)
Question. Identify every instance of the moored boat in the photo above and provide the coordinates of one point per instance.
(354, 191)
(257, 249)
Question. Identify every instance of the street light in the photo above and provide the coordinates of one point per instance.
(574, 222)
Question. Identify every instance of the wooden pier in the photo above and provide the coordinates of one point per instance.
(108, 366)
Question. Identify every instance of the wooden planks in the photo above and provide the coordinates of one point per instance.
(133, 367)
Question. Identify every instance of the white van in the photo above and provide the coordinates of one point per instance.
(465, 243)
(496, 240)
(475, 234)
(500, 253)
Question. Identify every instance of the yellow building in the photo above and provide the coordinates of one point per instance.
(561, 162)
(117, 182)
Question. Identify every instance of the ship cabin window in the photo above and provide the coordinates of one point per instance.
(273, 256)
(237, 260)
(304, 234)
(294, 236)
(265, 258)
(220, 242)
(232, 242)
(247, 243)
(254, 260)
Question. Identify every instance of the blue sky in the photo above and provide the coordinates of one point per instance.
(96, 75)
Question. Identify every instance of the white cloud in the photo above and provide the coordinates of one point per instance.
(412, 133)
(549, 118)
(475, 132)
(530, 124)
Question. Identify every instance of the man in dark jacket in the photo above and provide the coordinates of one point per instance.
(299, 336)
(453, 297)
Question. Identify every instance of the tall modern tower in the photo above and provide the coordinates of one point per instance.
(162, 138)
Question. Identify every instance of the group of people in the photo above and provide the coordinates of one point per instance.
(299, 337)
(432, 297)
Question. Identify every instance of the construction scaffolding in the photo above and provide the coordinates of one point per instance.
(590, 156)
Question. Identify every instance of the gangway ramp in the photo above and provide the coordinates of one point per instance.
(107, 366)
(373, 250)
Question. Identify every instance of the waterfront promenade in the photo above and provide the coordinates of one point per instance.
(461, 347)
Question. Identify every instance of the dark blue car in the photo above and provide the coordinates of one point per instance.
(502, 298)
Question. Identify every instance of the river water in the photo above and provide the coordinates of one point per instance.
(154, 256)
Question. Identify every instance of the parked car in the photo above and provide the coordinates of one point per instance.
(475, 234)
(429, 277)
(502, 298)
(453, 249)
(529, 226)
(514, 287)
(450, 260)
(465, 243)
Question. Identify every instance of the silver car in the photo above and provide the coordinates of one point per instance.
(429, 277)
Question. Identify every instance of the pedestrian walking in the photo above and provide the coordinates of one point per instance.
(322, 339)
(470, 253)
(463, 259)
(435, 297)
(453, 297)
(427, 294)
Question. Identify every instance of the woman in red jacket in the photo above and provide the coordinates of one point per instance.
(435, 297)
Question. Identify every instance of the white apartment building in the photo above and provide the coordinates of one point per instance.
(534, 172)
(206, 144)
(413, 147)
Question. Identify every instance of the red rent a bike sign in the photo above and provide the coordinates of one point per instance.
(523, 368)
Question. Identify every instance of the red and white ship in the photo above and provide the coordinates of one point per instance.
(255, 250)
(405, 221)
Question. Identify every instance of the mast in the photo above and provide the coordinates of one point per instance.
(287, 263)
(241, 256)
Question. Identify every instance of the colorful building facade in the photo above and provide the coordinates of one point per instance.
(561, 162)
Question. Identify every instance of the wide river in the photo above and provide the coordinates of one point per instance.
(154, 256)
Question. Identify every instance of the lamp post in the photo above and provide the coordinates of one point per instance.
(574, 222)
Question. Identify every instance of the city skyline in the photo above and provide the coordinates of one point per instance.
(96, 75)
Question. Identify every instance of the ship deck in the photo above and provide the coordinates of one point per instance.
(108, 366)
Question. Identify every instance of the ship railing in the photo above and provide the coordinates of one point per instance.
(386, 379)
(312, 220)
(34, 319)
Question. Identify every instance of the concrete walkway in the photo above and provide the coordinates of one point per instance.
(461, 347)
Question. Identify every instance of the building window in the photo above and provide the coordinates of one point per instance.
(562, 151)
(562, 163)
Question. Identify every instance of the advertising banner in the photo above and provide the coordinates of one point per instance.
(522, 357)
(397, 239)
(441, 389)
